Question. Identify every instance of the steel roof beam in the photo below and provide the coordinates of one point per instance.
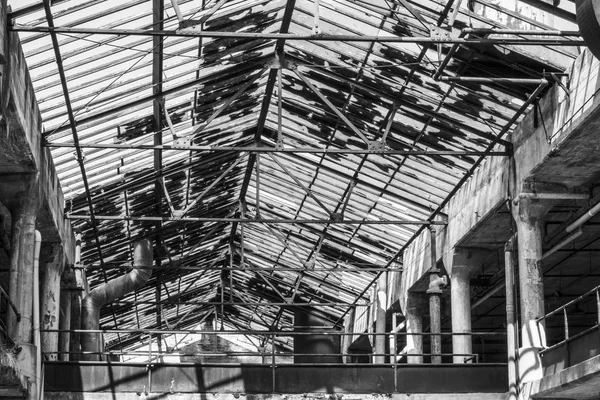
(311, 37)
(285, 25)
(79, 154)
(270, 150)
(257, 220)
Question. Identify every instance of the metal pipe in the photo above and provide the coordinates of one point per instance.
(435, 291)
(550, 196)
(38, 391)
(584, 218)
(511, 332)
(524, 32)
(563, 243)
(91, 342)
(490, 80)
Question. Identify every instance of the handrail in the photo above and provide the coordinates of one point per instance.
(567, 337)
(569, 303)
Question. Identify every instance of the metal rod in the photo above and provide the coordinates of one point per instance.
(263, 332)
(331, 106)
(256, 220)
(524, 32)
(268, 149)
(297, 181)
(291, 36)
(230, 100)
(511, 330)
(460, 183)
(490, 80)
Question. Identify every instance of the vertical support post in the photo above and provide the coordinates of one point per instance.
(529, 220)
(511, 331)
(566, 322)
(64, 320)
(414, 325)
(460, 290)
(597, 307)
(24, 211)
(464, 262)
(50, 297)
(380, 322)
(76, 302)
(435, 292)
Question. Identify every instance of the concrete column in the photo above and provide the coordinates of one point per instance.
(464, 263)
(50, 298)
(24, 210)
(529, 220)
(380, 323)
(461, 312)
(64, 323)
(414, 324)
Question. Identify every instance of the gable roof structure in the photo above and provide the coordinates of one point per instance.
(279, 153)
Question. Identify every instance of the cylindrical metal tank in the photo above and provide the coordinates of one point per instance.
(325, 347)
(588, 19)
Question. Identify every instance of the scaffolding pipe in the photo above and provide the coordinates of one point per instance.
(511, 332)
(563, 243)
(93, 302)
(584, 218)
(38, 391)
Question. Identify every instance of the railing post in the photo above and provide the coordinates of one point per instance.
(566, 322)
(598, 307)
(273, 361)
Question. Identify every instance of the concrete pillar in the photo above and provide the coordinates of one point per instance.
(529, 220)
(380, 322)
(464, 263)
(24, 210)
(461, 313)
(64, 323)
(50, 298)
(414, 324)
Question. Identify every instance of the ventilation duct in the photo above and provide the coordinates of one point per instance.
(110, 291)
(588, 19)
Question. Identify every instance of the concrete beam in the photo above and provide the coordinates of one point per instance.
(558, 146)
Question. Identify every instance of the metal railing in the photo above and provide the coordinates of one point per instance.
(562, 311)
(270, 352)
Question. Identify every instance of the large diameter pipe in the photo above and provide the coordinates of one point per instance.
(511, 331)
(110, 291)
